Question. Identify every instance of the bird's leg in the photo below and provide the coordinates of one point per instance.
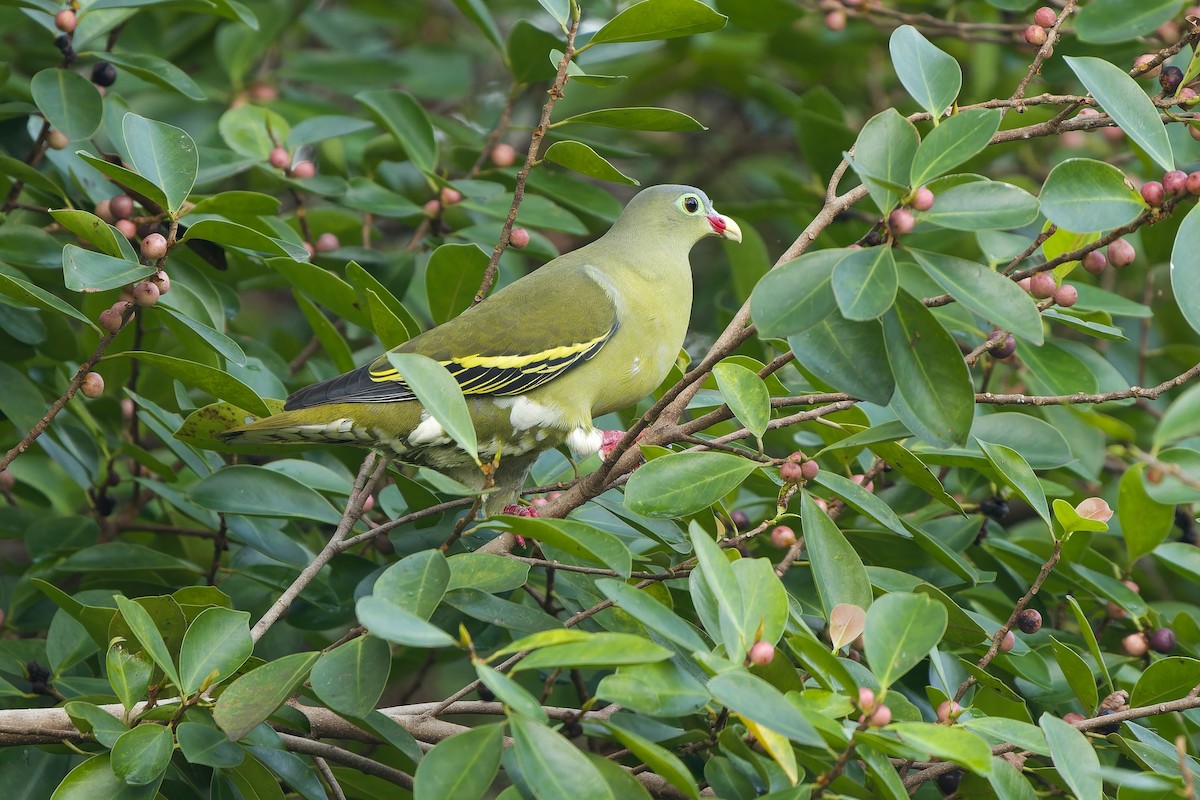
(610, 439)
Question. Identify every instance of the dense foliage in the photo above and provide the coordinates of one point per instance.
(912, 515)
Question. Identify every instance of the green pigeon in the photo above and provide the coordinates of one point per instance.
(593, 331)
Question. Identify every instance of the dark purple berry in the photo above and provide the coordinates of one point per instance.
(995, 507)
(1170, 79)
(740, 519)
(104, 74)
(1029, 620)
(948, 782)
(1107, 729)
(1003, 348)
(1162, 640)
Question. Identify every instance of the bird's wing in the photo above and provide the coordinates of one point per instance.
(520, 338)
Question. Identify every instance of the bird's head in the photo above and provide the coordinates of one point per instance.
(677, 213)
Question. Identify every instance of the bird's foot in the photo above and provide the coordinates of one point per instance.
(521, 511)
(609, 441)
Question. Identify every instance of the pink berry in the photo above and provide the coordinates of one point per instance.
(65, 21)
(1008, 642)
(1025, 283)
(1042, 285)
(121, 206)
(312, 251)
(110, 320)
(862, 481)
(263, 93)
(1175, 182)
(1168, 31)
(1113, 134)
(922, 199)
(866, 698)
(762, 653)
(326, 242)
(369, 503)
(146, 293)
(1135, 644)
(835, 20)
(1066, 295)
(880, 717)
(432, 208)
(1045, 16)
(128, 409)
(539, 502)
(1140, 63)
(1121, 253)
(504, 155)
(93, 385)
(1186, 96)
(279, 158)
(304, 170)
(809, 469)
(57, 140)
(1095, 262)
(162, 280)
(519, 238)
(783, 537)
(154, 246)
(901, 221)
(791, 472)
(103, 210)
(1036, 35)
(1193, 179)
(1073, 717)
(127, 228)
(450, 196)
(1153, 193)
(948, 709)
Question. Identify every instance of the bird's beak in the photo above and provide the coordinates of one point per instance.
(724, 227)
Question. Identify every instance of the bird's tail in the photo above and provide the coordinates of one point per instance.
(299, 427)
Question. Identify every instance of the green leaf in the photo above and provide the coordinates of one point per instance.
(127, 178)
(797, 295)
(716, 575)
(217, 341)
(452, 277)
(351, 678)
(208, 746)
(153, 69)
(862, 501)
(462, 766)
(324, 127)
(755, 699)
(1181, 419)
(128, 674)
(398, 625)
(141, 624)
(1127, 104)
(901, 629)
(90, 718)
(664, 689)
(837, 569)
(1089, 638)
(416, 583)
(69, 101)
(865, 283)
(231, 234)
(216, 382)
(94, 779)
(256, 492)
(684, 483)
(1004, 730)
(647, 610)
(930, 75)
(1185, 270)
(142, 754)
(405, 118)
(218, 641)
(849, 356)
(89, 271)
(509, 692)
(164, 155)
(883, 157)
(477, 12)
(982, 205)
(1078, 674)
(746, 394)
(598, 651)
(324, 287)
(1016, 473)
(580, 158)
(650, 20)
(440, 395)
(934, 395)
(641, 118)
(1083, 195)
(1164, 680)
(1073, 756)
(552, 767)
(954, 142)
(657, 758)
(575, 537)
(947, 743)
(91, 228)
(486, 572)
(1145, 523)
(254, 696)
(559, 9)
(1111, 21)
(986, 292)
(29, 294)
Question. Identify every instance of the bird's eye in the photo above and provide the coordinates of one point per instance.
(691, 204)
